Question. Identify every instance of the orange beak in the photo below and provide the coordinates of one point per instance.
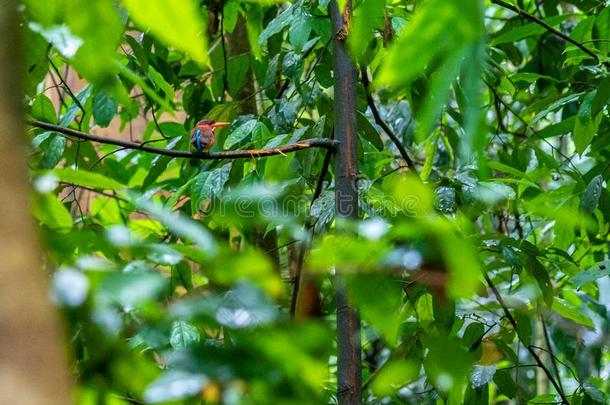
(220, 124)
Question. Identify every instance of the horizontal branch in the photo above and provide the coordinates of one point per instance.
(230, 154)
(546, 26)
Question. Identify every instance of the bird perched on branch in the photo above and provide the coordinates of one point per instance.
(202, 136)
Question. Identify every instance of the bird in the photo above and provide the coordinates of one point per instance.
(202, 136)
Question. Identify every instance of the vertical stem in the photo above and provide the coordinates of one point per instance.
(348, 323)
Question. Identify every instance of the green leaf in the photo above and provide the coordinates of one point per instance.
(595, 393)
(505, 383)
(277, 24)
(493, 192)
(138, 51)
(602, 30)
(552, 107)
(431, 145)
(179, 224)
(300, 28)
(104, 108)
(323, 209)
(437, 28)
(567, 310)
(238, 69)
(51, 212)
(524, 327)
(179, 25)
(447, 357)
(473, 335)
(161, 84)
(260, 134)
(182, 273)
(73, 109)
(94, 59)
(130, 288)
(53, 152)
(511, 170)
(588, 276)
(462, 261)
(184, 336)
(254, 26)
(590, 198)
(87, 179)
(240, 133)
(43, 109)
(581, 33)
(541, 275)
(133, 77)
(527, 30)
(602, 95)
(586, 124)
(393, 375)
(157, 167)
(209, 184)
(544, 399)
(378, 298)
(160, 162)
(60, 37)
(368, 131)
(367, 16)
(561, 128)
(230, 14)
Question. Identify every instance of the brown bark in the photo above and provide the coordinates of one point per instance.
(349, 373)
(32, 361)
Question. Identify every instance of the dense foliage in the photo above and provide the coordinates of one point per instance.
(480, 265)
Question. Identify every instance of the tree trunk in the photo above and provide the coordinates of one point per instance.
(348, 323)
(32, 362)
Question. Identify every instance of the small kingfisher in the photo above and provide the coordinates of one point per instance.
(202, 136)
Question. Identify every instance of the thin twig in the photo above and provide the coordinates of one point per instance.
(225, 81)
(308, 226)
(100, 192)
(550, 349)
(530, 349)
(69, 90)
(231, 154)
(379, 121)
(546, 26)
(535, 132)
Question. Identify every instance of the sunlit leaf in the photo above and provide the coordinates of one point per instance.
(87, 179)
(51, 212)
(179, 25)
(565, 309)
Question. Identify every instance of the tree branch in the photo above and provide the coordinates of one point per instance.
(546, 26)
(530, 349)
(309, 228)
(379, 121)
(324, 143)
